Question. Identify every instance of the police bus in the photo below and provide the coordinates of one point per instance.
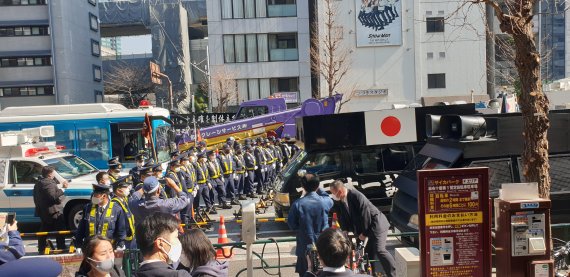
(96, 132)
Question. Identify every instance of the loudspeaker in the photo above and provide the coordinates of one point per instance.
(462, 127)
(432, 125)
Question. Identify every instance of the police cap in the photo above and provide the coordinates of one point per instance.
(113, 160)
(122, 182)
(201, 155)
(157, 168)
(184, 157)
(150, 184)
(114, 163)
(174, 153)
(226, 147)
(101, 188)
(174, 163)
(140, 157)
(211, 153)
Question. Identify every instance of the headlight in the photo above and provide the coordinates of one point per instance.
(414, 221)
(282, 199)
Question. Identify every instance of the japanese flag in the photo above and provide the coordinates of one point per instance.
(390, 126)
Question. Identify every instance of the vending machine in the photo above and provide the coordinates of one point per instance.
(522, 238)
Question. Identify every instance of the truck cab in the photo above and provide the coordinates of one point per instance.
(259, 107)
(22, 157)
(499, 148)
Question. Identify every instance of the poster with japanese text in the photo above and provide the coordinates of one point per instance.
(378, 22)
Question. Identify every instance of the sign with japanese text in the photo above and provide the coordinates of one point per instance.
(290, 97)
(455, 230)
(183, 121)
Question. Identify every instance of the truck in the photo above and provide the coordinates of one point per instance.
(367, 149)
(264, 117)
(23, 154)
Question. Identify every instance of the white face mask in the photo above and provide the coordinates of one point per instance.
(107, 182)
(104, 266)
(95, 200)
(140, 164)
(126, 191)
(177, 169)
(174, 253)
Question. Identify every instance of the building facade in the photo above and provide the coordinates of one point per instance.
(49, 52)
(111, 46)
(263, 45)
(402, 51)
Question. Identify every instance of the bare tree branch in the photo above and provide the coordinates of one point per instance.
(132, 82)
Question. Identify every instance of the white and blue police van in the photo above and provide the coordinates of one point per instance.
(23, 154)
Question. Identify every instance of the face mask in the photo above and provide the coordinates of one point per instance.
(177, 169)
(95, 200)
(126, 192)
(107, 182)
(104, 266)
(140, 164)
(118, 170)
(174, 253)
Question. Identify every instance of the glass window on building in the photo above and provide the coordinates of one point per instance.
(283, 47)
(227, 9)
(251, 45)
(281, 8)
(261, 8)
(435, 24)
(239, 44)
(237, 8)
(436, 80)
(97, 73)
(229, 50)
(93, 22)
(249, 8)
(284, 85)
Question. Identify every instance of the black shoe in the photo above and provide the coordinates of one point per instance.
(225, 206)
(234, 202)
(242, 197)
(212, 210)
(251, 195)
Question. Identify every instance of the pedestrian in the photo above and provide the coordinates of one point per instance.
(11, 244)
(309, 217)
(135, 171)
(199, 256)
(48, 199)
(359, 215)
(102, 217)
(160, 247)
(122, 190)
(250, 167)
(147, 201)
(98, 259)
(333, 248)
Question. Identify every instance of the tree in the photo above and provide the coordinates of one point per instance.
(330, 56)
(200, 100)
(515, 18)
(131, 82)
(223, 89)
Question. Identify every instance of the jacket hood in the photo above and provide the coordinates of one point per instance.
(212, 268)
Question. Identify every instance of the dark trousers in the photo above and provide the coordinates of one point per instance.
(260, 179)
(203, 193)
(229, 186)
(376, 249)
(268, 176)
(57, 224)
(239, 183)
(218, 186)
(249, 180)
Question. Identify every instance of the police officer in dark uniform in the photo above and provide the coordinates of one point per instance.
(250, 167)
(102, 217)
(159, 175)
(146, 201)
(216, 179)
(286, 151)
(122, 190)
(278, 156)
(240, 172)
(260, 172)
(115, 168)
(173, 177)
(201, 147)
(135, 171)
(204, 186)
(271, 160)
(226, 160)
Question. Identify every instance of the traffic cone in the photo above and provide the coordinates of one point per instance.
(335, 224)
(223, 238)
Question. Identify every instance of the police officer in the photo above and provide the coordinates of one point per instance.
(278, 156)
(174, 155)
(188, 172)
(271, 160)
(240, 172)
(135, 171)
(173, 179)
(215, 173)
(250, 167)
(102, 217)
(291, 143)
(201, 147)
(157, 172)
(204, 186)
(147, 201)
(261, 161)
(122, 190)
(285, 150)
(226, 160)
(114, 170)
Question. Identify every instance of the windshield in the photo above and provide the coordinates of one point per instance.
(292, 166)
(71, 167)
(163, 143)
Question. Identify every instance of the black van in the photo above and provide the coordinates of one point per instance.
(337, 147)
(499, 150)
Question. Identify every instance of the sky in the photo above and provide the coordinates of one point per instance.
(136, 45)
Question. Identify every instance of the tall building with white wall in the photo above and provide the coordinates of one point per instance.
(263, 44)
(408, 49)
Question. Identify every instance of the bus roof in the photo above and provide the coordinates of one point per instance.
(77, 111)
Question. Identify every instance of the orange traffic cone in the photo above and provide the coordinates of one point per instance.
(223, 238)
(335, 224)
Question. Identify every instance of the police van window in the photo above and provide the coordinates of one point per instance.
(323, 163)
(131, 148)
(93, 144)
(368, 161)
(247, 112)
(499, 172)
(24, 172)
(66, 139)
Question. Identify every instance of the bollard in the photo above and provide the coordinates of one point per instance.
(248, 231)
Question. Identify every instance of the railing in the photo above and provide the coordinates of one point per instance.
(289, 54)
(281, 10)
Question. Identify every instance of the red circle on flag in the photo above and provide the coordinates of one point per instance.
(390, 126)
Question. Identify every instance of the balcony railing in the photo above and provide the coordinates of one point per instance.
(281, 10)
(289, 54)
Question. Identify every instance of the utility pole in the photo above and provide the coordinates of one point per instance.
(490, 45)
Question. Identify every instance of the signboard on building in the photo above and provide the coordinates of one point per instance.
(455, 231)
(290, 97)
(378, 23)
(371, 92)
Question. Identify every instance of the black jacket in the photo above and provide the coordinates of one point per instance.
(160, 269)
(362, 217)
(48, 199)
(332, 274)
